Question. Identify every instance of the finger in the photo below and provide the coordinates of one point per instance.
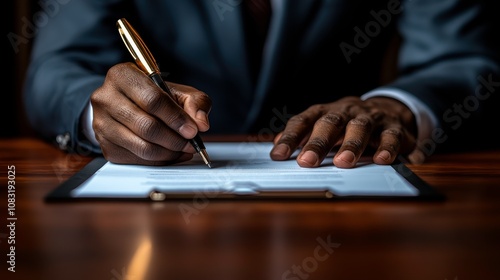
(356, 138)
(151, 99)
(417, 157)
(326, 132)
(146, 126)
(277, 138)
(120, 155)
(389, 147)
(111, 131)
(302, 143)
(296, 129)
(196, 103)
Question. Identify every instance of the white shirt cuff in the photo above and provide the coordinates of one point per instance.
(86, 119)
(426, 120)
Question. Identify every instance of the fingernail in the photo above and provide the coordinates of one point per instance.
(188, 131)
(202, 116)
(384, 155)
(310, 158)
(281, 150)
(347, 157)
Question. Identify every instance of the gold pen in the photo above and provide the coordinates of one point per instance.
(146, 62)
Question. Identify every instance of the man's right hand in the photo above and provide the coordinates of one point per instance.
(135, 122)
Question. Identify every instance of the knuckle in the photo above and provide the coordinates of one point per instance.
(98, 125)
(361, 121)
(393, 132)
(152, 99)
(116, 72)
(95, 97)
(312, 113)
(376, 114)
(98, 97)
(333, 119)
(353, 144)
(175, 121)
(351, 99)
(317, 108)
(147, 126)
(144, 150)
(289, 137)
(298, 119)
(318, 144)
(125, 113)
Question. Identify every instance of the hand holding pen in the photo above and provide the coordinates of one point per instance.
(137, 122)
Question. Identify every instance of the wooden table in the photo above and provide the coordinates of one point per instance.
(458, 238)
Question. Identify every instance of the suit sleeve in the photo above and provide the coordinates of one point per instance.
(449, 61)
(70, 57)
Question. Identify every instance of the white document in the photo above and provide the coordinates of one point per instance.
(243, 169)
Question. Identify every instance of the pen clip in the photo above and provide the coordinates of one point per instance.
(137, 48)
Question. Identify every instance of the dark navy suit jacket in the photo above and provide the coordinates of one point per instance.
(317, 52)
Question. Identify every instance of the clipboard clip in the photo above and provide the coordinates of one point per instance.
(157, 195)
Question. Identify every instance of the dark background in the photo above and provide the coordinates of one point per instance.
(12, 117)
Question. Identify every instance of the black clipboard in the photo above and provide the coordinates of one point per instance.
(63, 192)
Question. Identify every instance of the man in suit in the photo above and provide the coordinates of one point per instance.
(309, 74)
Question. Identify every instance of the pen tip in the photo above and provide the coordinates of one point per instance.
(205, 158)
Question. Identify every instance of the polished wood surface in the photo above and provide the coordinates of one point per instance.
(458, 238)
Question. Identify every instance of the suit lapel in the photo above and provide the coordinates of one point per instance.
(226, 25)
(283, 28)
(290, 17)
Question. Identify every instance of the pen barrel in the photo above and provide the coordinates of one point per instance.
(146, 62)
(158, 80)
(197, 143)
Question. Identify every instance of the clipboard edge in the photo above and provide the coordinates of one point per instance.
(62, 193)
